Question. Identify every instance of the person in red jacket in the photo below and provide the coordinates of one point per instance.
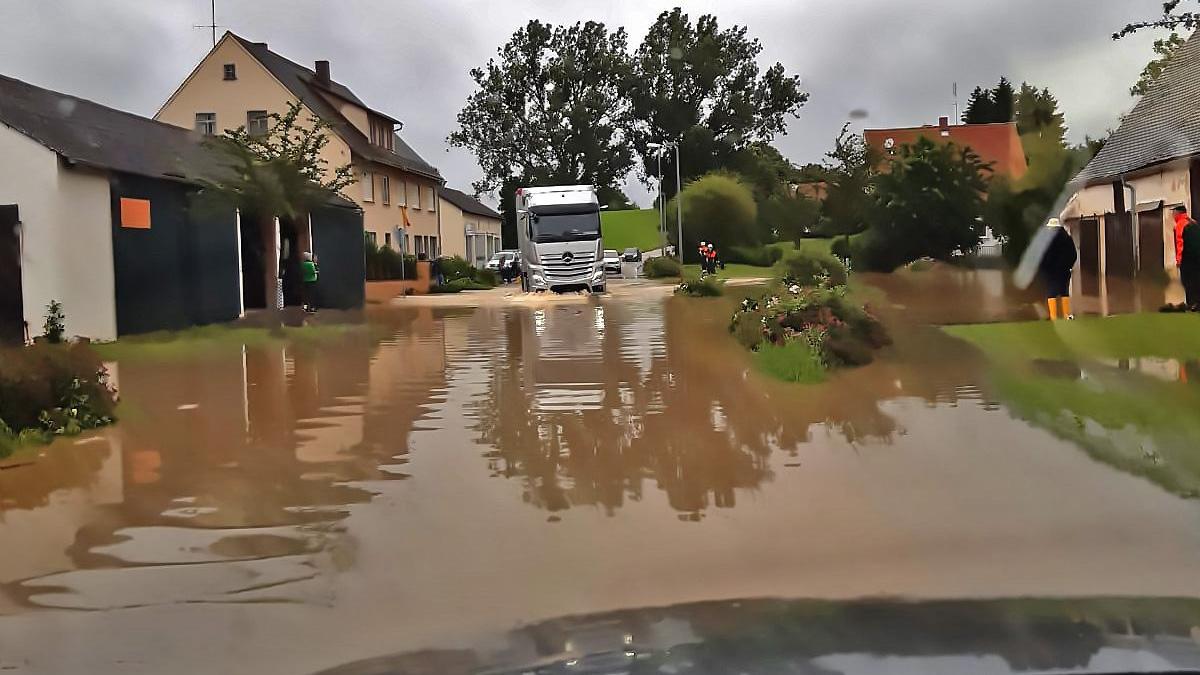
(1187, 256)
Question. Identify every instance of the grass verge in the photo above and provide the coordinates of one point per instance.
(636, 228)
(793, 361)
(202, 340)
(1125, 389)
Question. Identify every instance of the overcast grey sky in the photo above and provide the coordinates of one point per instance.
(895, 59)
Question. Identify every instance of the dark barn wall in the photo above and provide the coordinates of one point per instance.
(183, 270)
(338, 246)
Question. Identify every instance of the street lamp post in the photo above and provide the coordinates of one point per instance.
(659, 148)
(662, 208)
(679, 206)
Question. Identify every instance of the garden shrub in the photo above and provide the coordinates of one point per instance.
(384, 264)
(658, 268)
(454, 267)
(808, 268)
(759, 256)
(486, 277)
(701, 287)
(52, 389)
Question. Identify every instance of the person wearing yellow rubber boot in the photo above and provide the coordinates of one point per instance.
(1056, 267)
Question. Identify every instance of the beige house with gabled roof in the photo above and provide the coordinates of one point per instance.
(240, 82)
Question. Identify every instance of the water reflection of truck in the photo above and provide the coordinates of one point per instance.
(558, 231)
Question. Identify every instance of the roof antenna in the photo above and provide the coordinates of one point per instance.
(213, 25)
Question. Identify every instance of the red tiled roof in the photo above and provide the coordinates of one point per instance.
(996, 144)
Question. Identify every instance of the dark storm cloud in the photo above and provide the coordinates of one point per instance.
(894, 59)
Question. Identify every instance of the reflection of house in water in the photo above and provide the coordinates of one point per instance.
(222, 463)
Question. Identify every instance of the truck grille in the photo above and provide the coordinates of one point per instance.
(579, 266)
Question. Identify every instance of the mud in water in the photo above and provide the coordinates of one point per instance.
(291, 507)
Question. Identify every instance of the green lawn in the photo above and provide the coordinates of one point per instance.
(1124, 389)
(217, 338)
(630, 229)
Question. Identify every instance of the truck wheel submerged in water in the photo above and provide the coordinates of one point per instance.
(596, 290)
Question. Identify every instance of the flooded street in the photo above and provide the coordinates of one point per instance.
(450, 473)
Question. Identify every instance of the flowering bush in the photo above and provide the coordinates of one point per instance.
(836, 331)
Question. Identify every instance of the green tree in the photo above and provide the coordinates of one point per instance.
(850, 172)
(1015, 209)
(1003, 101)
(702, 85)
(551, 110)
(790, 215)
(1037, 113)
(928, 203)
(1164, 50)
(279, 173)
(1171, 19)
(979, 108)
(717, 207)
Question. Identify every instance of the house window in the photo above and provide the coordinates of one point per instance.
(256, 122)
(370, 237)
(387, 239)
(416, 203)
(434, 251)
(402, 193)
(430, 202)
(385, 190)
(230, 71)
(368, 186)
(206, 123)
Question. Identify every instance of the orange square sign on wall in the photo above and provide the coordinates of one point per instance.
(135, 213)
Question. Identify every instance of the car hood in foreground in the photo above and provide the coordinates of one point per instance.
(992, 637)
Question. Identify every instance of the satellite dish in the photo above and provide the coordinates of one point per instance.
(889, 143)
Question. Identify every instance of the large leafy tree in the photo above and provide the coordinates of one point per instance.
(850, 172)
(701, 85)
(1172, 18)
(551, 109)
(928, 203)
(278, 174)
(1164, 51)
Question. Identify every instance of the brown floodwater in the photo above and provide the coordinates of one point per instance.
(447, 474)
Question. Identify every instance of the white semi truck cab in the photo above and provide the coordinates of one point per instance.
(558, 229)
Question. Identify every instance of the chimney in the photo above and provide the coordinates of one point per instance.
(323, 72)
(944, 125)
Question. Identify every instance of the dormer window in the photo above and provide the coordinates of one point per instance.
(381, 133)
(230, 71)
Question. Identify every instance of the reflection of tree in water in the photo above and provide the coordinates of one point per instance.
(689, 418)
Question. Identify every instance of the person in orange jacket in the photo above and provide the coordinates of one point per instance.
(1187, 256)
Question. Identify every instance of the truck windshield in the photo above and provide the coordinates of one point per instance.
(566, 226)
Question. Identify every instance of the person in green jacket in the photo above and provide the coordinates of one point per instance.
(308, 274)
